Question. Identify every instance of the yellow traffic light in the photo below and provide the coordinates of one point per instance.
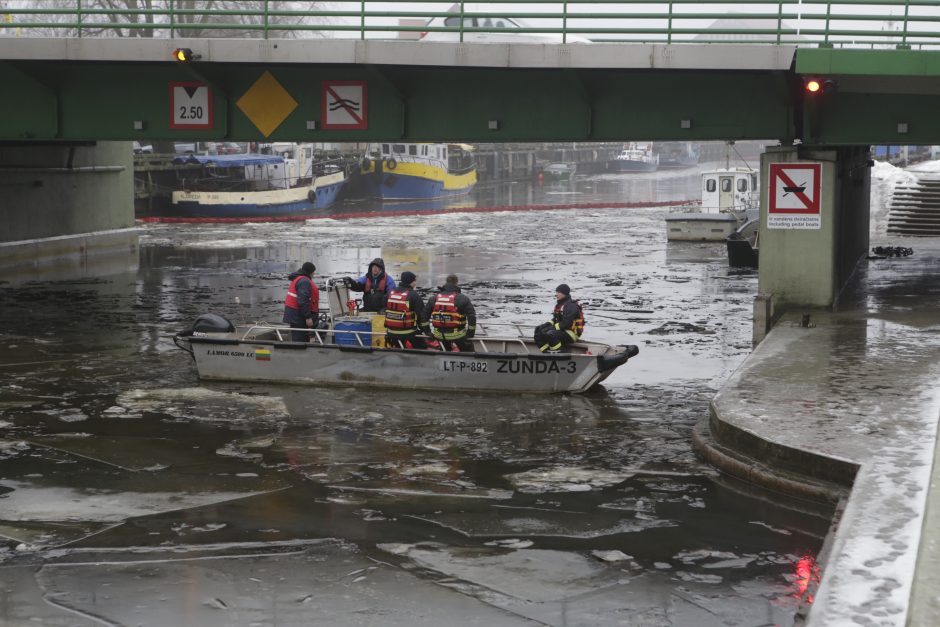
(184, 54)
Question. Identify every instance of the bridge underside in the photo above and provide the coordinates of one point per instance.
(75, 90)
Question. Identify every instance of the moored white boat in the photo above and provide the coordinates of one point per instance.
(559, 171)
(257, 185)
(729, 198)
(344, 355)
(635, 157)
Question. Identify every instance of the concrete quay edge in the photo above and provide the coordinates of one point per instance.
(743, 439)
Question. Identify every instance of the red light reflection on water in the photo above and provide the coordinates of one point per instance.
(806, 572)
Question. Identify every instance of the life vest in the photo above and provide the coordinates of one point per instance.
(448, 323)
(291, 299)
(577, 327)
(399, 319)
(381, 287)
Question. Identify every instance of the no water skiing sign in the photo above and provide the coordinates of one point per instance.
(345, 105)
(794, 196)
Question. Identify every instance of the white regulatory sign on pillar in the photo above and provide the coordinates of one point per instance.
(345, 105)
(191, 106)
(795, 196)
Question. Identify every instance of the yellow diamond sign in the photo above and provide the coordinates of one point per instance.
(267, 104)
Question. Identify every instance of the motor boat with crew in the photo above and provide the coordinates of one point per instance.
(635, 157)
(347, 349)
(399, 171)
(286, 180)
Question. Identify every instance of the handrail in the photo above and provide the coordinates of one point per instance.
(846, 23)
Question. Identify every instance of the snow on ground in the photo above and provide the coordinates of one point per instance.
(884, 180)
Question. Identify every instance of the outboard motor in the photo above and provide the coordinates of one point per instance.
(206, 323)
(211, 323)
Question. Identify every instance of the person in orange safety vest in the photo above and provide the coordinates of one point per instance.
(405, 320)
(566, 326)
(302, 304)
(452, 317)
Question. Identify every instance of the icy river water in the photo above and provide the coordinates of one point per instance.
(133, 494)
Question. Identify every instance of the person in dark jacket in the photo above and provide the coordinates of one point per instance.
(375, 285)
(566, 326)
(405, 319)
(302, 304)
(452, 317)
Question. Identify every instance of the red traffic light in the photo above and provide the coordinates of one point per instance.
(815, 86)
(184, 54)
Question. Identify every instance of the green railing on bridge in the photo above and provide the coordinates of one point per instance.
(819, 23)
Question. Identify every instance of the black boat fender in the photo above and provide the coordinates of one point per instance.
(609, 362)
(390, 163)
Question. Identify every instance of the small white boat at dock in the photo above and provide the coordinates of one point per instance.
(347, 352)
(729, 199)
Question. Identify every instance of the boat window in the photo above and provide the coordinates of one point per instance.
(742, 185)
(455, 21)
(710, 185)
(413, 150)
(385, 150)
(424, 151)
(501, 24)
(726, 185)
(398, 149)
(443, 153)
(487, 23)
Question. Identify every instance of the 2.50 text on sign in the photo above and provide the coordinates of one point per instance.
(191, 106)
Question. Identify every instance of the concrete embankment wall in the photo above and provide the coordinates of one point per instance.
(61, 190)
(63, 207)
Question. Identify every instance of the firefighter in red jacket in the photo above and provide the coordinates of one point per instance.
(566, 326)
(405, 320)
(302, 305)
(452, 317)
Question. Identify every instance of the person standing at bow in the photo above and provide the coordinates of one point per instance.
(375, 285)
(405, 318)
(566, 326)
(452, 317)
(302, 304)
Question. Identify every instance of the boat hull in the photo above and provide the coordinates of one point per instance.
(624, 165)
(224, 357)
(683, 161)
(415, 181)
(741, 254)
(268, 203)
(700, 227)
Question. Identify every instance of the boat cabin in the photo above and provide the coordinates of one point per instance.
(729, 190)
(453, 157)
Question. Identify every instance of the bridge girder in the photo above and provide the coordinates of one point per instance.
(540, 93)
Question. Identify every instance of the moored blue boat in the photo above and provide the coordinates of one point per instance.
(395, 172)
(252, 185)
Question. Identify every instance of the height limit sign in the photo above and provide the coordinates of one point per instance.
(794, 196)
(190, 106)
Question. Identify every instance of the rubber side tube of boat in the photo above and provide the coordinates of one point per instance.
(609, 362)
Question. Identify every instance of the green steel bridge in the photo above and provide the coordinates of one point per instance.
(497, 71)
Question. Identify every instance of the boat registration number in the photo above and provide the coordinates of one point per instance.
(453, 365)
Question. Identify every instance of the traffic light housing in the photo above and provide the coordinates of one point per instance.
(184, 55)
(815, 86)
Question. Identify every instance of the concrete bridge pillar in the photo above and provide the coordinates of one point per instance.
(812, 239)
(66, 210)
